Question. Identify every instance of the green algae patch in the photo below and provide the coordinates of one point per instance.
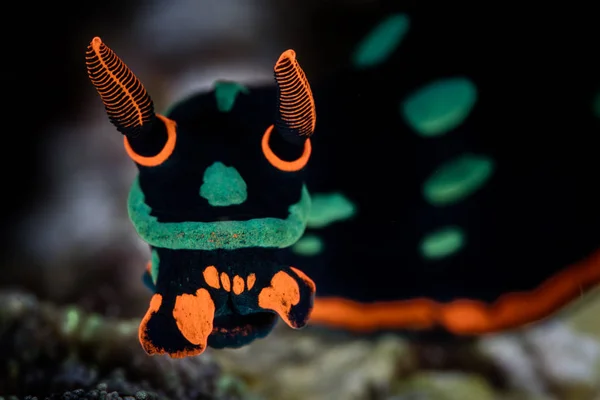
(440, 106)
(458, 179)
(442, 243)
(308, 245)
(328, 208)
(228, 235)
(381, 42)
(226, 93)
(223, 186)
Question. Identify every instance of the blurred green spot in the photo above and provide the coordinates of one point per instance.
(230, 386)
(226, 92)
(223, 186)
(440, 106)
(308, 245)
(442, 243)
(126, 328)
(597, 105)
(154, 266)
(381, 42)
(457, 179)
(71, 321)
(90, 326)
(328, 208)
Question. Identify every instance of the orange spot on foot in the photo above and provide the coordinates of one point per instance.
(250, 281)
(211, 277)
(238, 284)
(225, 282)
(281, 296)
(194, 314)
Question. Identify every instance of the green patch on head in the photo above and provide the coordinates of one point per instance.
(154, 266)
(226, 92)
(223, 186)
(328, 208)
(442, 243)
(457, 179)
(381, 42)
(308, 245)
(440, 106)
(229, 235)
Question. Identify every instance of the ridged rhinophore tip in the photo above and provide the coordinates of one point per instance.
(96, 42)
(287, 55)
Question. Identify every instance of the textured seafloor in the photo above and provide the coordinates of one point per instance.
(63, 353)
(51, 352)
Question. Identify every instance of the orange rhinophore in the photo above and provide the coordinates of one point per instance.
(128, 105)
(297, 114)
(130, 108)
